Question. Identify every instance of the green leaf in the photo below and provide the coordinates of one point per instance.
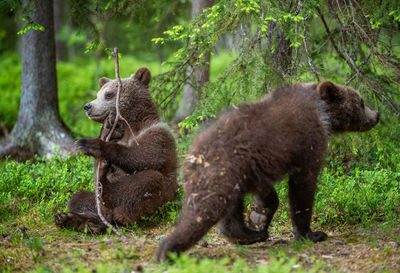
(30, 25)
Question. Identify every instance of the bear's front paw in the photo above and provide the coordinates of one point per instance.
(91, 146)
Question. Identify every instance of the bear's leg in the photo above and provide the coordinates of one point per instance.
(235, 229)
(265, 204)
(82, 213)
(202, 211)
(302, 189)
(135, 195)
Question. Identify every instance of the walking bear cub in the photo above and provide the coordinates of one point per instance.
(138, 172)
(250, 148)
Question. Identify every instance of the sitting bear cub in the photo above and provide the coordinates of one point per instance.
(137, 172)
(250, 148)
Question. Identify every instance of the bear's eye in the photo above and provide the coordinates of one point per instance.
(109, 96)
(362, 104)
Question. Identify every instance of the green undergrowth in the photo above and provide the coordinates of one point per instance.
(278, 264)
(186, 264)
(361, 179)
(45, 187)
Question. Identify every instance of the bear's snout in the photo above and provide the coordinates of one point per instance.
(87, 107)
(373, 116)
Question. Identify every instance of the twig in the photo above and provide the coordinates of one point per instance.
(175, 90)
(118, 117)
(360, 68)
(173, 72)
(98, 190)
(117, 112)
(310, 61)
(330, 34)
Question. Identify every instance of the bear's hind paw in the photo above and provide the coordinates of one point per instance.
(317, 236)
(62, 218)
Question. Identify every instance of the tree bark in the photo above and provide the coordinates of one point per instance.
(39, 128)
(281, 58)
(192, 93)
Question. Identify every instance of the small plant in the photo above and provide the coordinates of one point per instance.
(279, 264)
(36, 247)
(299, 245)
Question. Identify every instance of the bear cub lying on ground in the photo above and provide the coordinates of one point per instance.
(248, 149)
(137, 173)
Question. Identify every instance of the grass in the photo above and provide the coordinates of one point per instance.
(46, 249)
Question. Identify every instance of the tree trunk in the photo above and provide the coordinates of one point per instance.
(191, 94)
(281, 59)
(39, 128)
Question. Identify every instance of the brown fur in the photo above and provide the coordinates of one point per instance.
(136, 178)
(247, 150)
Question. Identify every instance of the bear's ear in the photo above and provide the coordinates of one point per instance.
(103, 81)
(329, 92)
(143, 75)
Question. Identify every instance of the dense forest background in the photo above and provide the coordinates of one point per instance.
(204, 56)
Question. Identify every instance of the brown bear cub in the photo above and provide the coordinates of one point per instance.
(250, 148)
(137, 172)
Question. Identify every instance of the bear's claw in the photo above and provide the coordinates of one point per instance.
(92, 147)
(61, 218)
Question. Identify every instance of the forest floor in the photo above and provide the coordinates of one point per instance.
(44, 248)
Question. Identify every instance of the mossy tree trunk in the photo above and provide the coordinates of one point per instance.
(39, 128)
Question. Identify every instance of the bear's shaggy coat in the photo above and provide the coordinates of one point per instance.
(138, 173)
(250, 148)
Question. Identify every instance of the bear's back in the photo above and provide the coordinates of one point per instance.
(273, 130)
